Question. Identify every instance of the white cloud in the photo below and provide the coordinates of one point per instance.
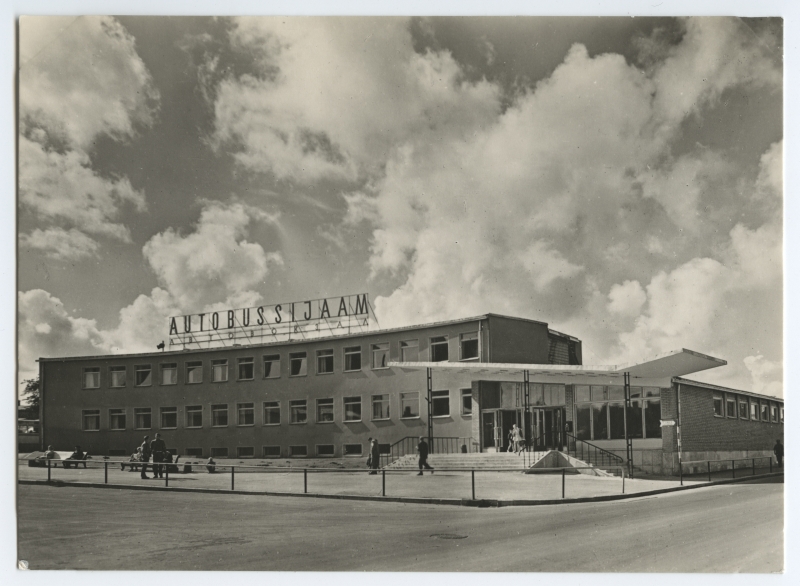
(767, 375)
(60, 244)
(626, 299)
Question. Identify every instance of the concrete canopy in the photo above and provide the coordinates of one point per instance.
(677, 363)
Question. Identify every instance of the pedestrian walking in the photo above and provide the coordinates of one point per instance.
(517, 438)
(778, 450)
(158, 448)
(422, 448)
(145, 449)
(369, 452)
(374, 455)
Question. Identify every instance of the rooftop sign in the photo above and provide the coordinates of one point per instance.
(273, 323)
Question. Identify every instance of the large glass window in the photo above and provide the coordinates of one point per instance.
(616, 419)
(219, 415)
(143, 375)
(352, 359)
(753, 410)
(169, 417)
(439, 349)
(91, 420)
(718, 406)
(117, 375)
(635, 427)
(91, 377)
(380, 407)
(583, 394)
(272, 366)
(194, 372)
(469, 346)
(298, 411)
(219, 370)
(324, 361)
(600, 420)
(194, 416)
(272, 412)
(764, 411)
(652, 417)
(730, 406)
(245, 414)
(116, 419)
(380, 355)
(352, 408)
(583, 422)
(324, 410)
(744, 408)
(409, 351)
(409, 404)
(600, 412)
(298, 364)
(142, 418)
(441, 403)
(554, 395)
(466, 401)
(246, 368)
(169, 374)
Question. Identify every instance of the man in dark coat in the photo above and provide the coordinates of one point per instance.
(422, 448)
(145, 448)
(374, 456)
(158, 447)
(778, 450)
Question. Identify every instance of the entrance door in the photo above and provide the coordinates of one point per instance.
(548, 425)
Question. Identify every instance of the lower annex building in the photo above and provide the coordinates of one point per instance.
(469, 380)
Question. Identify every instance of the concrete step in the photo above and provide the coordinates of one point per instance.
(463, 461)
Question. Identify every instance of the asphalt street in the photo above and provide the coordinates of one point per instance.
(732, 528)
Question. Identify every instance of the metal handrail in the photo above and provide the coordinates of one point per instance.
(592, 454)
(732, 468)
(529, 449)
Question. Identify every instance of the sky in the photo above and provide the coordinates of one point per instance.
(617, 178)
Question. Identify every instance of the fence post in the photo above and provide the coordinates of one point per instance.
(383, 482)
(473, 484)
(305, 480)
(563, 482)
(105, 466)
(770, 466)
(48, 470)
(622, 471)
(754, 466)
(733, 468)
(233, 473)
(680, 471)
(708, 465)
(166, 476)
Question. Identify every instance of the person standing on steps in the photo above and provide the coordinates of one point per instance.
(145, 449)
(422, 448)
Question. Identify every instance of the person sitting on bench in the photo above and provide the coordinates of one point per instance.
(211, 466)
(77, 457)
(135, 457)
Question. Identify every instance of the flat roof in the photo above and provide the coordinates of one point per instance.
(312, 340)
(672, 364)
(695, 383)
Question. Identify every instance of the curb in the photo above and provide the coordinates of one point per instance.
(479, 503)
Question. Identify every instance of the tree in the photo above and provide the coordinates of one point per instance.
(31, 395)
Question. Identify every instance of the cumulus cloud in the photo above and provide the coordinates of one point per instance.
(69, 245)
(64, 105)
(627, 298)
(767, 375)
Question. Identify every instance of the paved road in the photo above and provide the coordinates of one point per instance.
(735, 528)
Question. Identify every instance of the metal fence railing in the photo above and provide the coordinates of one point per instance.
(590, 453)
(722, 467)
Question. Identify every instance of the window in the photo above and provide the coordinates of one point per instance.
(325, 450)
(298, 451)
(219, 452)
(324, 410)
(169, 417)
(743, 408)
(616, 420)
(352, 449)
(324, 361)
(298, 411)
(272, 451)
(781, 414)
(773, 413)
(380, 407)
(409, 404)
(91, 420)
(194, 372)
(143, 375)
(142, 418)
(582, 394)
(717, 406)
(466, 401)
(441, 403)
(91, 378)
(764, 412)
(600, 412)
(409, 351)
(730, 406)
(169, 374)
(380, 355)
(193, 452)
(117, 375)
(352, 359)
(297, 364)
(194, 416)
(246, 368)
(754, 410)
(469, 346)
(599, 420)
(583, 422)
(219, 370)
(439, 351)
(272, 413)
(219, 415)
(245, 452)
(652, 417)
(352, 408)
(272, 366)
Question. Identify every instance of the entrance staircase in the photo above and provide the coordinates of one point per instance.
(472, 461)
